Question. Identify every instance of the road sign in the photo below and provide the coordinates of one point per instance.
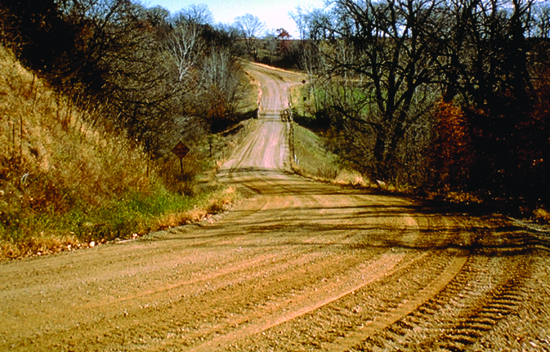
(180, 150)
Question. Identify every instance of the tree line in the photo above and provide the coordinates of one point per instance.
(446, 94)
(440, 94)
(144, 72)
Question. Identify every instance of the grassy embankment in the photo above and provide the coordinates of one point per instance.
(65, 184)
(312, 159)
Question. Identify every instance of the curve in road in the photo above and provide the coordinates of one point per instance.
(299, 265)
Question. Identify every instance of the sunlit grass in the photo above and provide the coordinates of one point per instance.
(65, 183)
(312, 160)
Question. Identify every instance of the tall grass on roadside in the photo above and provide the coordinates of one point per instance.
(312, 160)
(64, 183)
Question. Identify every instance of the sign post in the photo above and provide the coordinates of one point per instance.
(181, 151)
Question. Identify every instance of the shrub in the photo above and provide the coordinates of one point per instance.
(451, 155)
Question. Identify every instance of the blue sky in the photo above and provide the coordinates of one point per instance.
(273, 12)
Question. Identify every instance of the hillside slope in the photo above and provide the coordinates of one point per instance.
(64, 183)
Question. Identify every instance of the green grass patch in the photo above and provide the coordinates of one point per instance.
(66, 183)
(313, 160)
(26, 233)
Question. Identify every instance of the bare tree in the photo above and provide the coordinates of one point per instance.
(381, 66)
(199, 14)
(251, 28)
(380, 55)
(222, 82)
(541, 23)
(271, 45)
(182, 47)
(298, 16)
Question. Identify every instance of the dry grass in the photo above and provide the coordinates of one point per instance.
(351, 177)
(65, 184)
(215, 203)
(252, 95)
(300, 91)
(49, 150)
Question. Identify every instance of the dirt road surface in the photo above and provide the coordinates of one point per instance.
(298, 266)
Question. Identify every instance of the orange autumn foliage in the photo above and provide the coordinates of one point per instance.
(451, 155)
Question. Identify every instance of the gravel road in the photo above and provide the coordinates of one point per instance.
(297, 266)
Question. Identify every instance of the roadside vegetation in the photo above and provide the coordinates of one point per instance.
(447, 98)
(65, 184)
(313, 160)
(444, 98)
(94, 95)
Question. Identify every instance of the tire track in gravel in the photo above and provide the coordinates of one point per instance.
(299, 265)
(368, 274)
(461, 313)
(281, 265)
(365, 310)
(405, 308)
